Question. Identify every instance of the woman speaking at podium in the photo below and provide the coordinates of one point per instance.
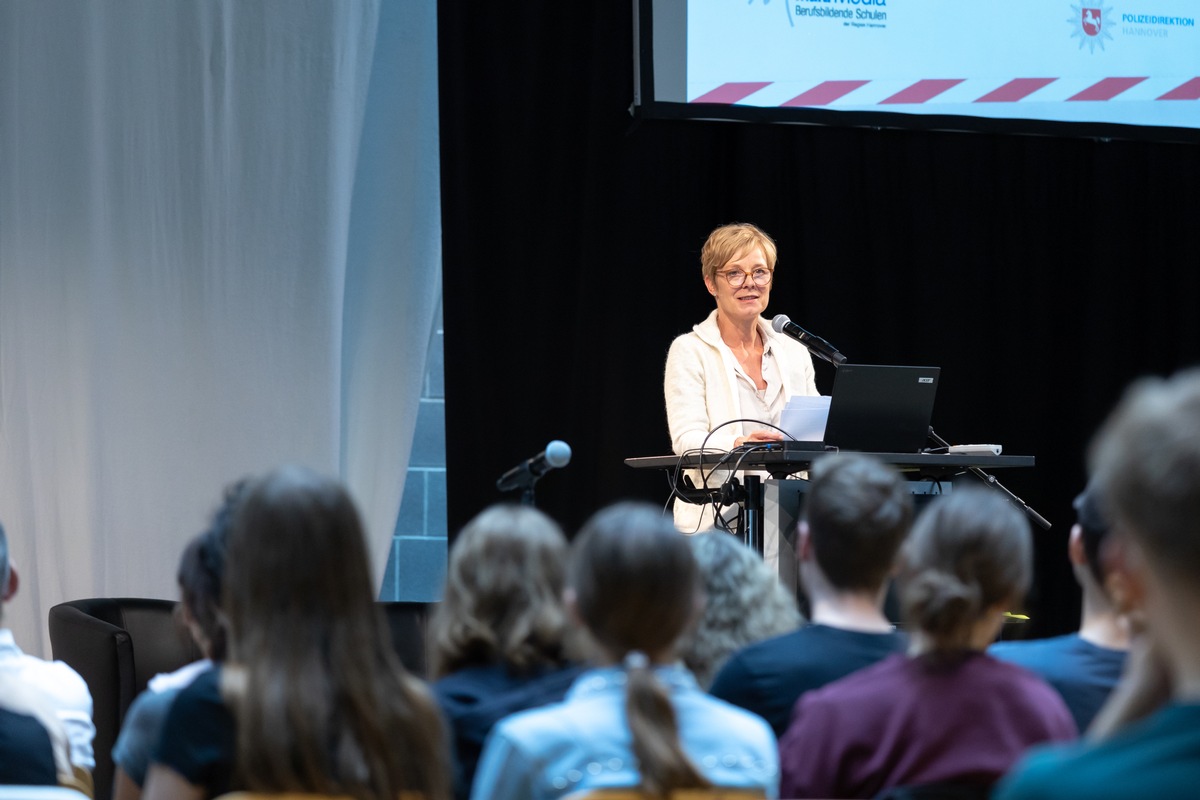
(732, 365)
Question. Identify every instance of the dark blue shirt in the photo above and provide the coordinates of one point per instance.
(769, 676)
(474, 699)
(198, 738)
(1083, 673)
(26, 754)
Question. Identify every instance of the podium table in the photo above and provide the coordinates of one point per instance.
(788, 462)
(771, 507)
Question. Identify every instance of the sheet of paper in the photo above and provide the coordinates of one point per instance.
(804, 418)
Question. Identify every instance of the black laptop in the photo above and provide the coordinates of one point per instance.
(881, 409)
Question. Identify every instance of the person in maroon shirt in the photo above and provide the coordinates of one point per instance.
(945, 713)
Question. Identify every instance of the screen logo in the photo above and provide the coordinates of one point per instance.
(1088, 23)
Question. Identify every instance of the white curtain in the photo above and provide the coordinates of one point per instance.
(219, 252)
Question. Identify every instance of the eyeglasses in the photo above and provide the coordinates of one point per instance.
(737, 277)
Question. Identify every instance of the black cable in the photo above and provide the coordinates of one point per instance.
(731, 422)
(717, 494)
(989, 479)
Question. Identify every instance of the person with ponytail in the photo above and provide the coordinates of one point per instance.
(945, 714)
(311, 698)
(639, 720)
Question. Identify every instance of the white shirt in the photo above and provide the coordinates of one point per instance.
(60, 688)
(703, 391)
(759, 404)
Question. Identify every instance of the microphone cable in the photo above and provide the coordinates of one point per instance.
(716, 495)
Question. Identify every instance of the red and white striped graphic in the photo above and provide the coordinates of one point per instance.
(924, 91)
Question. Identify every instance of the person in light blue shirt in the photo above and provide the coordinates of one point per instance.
(639, 721)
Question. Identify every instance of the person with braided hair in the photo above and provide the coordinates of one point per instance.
(638, 720)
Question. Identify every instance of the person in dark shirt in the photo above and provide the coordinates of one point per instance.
(499, 636)
(856, 516)
(200, 576)
(1084, 666)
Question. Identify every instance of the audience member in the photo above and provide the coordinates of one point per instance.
(1084, 666)
(857, 513)
(51, 684)
(200, 577)
(311, 698)
(1146, 463)
(640, 720)
(746, 603)
(947, 713)
(498, 638)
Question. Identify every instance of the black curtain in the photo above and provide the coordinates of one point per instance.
(1041, 273)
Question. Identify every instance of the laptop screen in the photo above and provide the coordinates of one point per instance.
(881, 409)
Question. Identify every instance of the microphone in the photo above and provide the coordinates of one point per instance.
(526, 474)
(815, 344)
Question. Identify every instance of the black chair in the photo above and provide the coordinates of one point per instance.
(117, 644)
(409, 624)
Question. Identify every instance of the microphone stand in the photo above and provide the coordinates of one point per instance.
(527, 498)
(823, 350)
(527, 493)
(991, 481)
(826, 356)
(526, 485)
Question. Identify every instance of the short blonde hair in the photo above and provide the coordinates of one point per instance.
(729, 241)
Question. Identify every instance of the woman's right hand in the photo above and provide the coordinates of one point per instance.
(764, 435)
